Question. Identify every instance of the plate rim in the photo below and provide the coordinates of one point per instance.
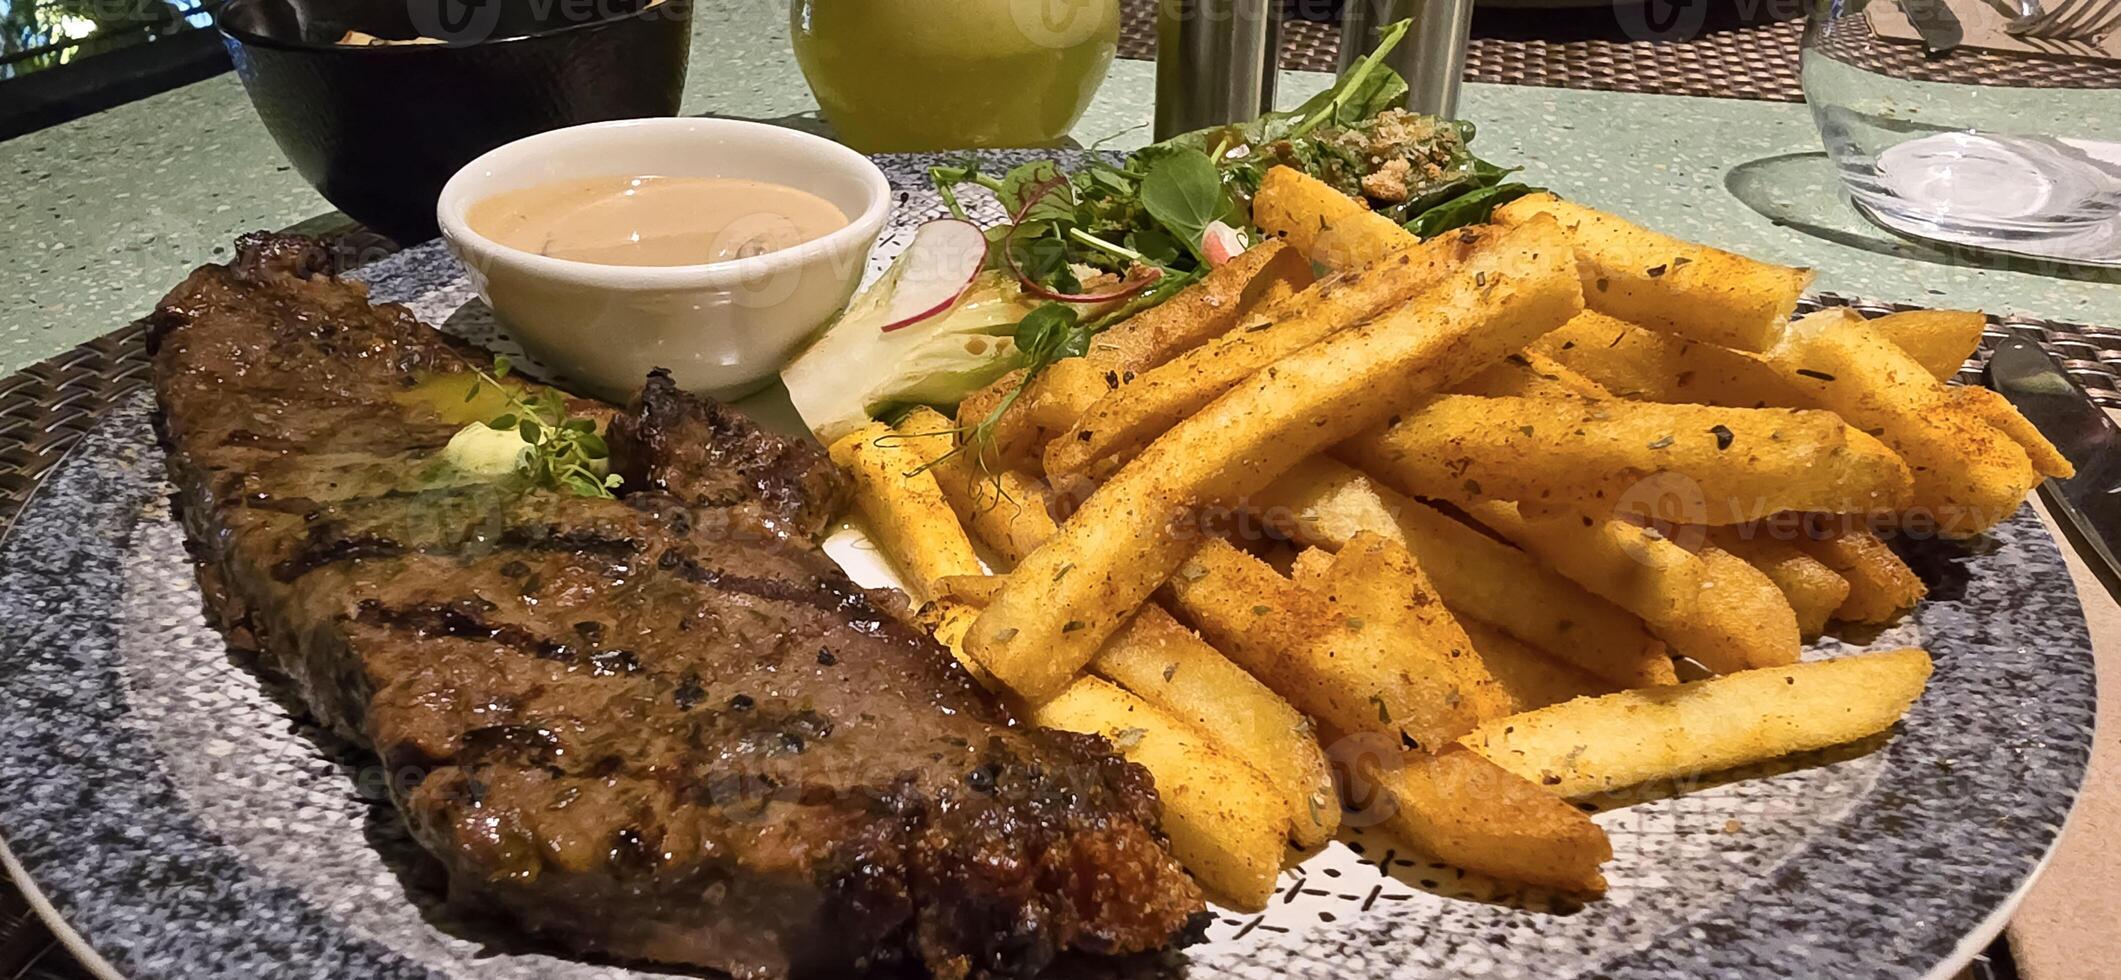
(56, 924)
(1984, 935)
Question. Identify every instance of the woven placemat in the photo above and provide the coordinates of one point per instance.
(1724, 53)
(47, 408)
(1749, 61)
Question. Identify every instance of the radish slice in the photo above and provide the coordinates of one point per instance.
(937, 266)
(1221, 243)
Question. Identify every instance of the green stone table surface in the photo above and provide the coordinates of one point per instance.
(103, 214)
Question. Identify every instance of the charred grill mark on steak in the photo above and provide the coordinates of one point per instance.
(325, 549)
(820, 594)
(462, 619)
(663, 727)
(372, 527)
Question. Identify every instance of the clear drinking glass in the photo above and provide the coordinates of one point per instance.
(2006, 151)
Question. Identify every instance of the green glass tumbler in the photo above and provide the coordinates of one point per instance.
(912, 75)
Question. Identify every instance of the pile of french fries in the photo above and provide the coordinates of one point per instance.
(1362, 519)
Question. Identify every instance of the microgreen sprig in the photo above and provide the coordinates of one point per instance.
(565, 454)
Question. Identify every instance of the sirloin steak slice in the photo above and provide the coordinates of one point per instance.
(663, 727)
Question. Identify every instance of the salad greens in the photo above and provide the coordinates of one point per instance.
(1088, 248)
(1146, 216)
(858, 371)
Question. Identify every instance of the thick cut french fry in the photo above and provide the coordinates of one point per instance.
(929, 434)
(1009, 512)
(1326, 503)
(1881, 586)
(1226, 822)
(1997, 411)
(1376, 580)
(1942, 340)
(1326, 662)
(929, 437)
(971, 590)
(1632, 362)
(905, 508)
(1067, 389)
(1814, 590)
(1472, 813)
(1754, 619)
(1006, 511)
(1234, 291)
(1531, 374)
(947, 619)
(1968, 475)
(1166, 665)
(1529, 678)
(1672, 285)
(1709, 605)
(1013, 436)
(1294, 206)
(1884, 393)
(1693, 464)
(1133, 415)
(1276, 293)
(1227, 295)
(1079, 587)
(1595, 745)
(1350, 242)
(1311, 567)
(1328, 227)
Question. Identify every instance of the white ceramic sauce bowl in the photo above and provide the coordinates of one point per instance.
(723, 329)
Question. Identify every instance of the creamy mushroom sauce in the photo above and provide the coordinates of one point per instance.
(654, 220)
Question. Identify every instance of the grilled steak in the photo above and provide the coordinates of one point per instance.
(661, 727)
(713, 457)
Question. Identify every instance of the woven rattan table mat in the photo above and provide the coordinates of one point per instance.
(1725, 53)
(47, 408)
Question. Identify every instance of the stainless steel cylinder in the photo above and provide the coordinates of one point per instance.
(1432, 57)
(1215, 62)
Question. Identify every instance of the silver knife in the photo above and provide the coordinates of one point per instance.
(2091, 500)
(1935, 24)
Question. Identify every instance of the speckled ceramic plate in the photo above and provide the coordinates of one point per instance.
(184, 821)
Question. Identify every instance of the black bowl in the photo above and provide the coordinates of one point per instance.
(379, 129)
